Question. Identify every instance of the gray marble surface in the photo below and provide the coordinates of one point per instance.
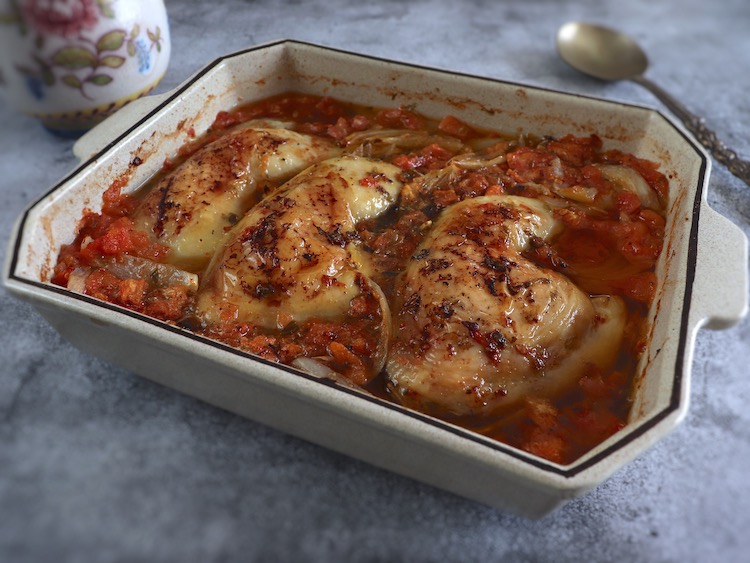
(97, 464)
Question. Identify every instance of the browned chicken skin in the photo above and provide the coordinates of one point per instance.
(477, 327)
(192, 208)
(294, 256)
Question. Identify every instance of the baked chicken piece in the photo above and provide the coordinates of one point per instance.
(477, 328)
(294, 256)
(192, 208)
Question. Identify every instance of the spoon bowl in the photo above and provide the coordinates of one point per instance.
(601, 52)
(607, 54)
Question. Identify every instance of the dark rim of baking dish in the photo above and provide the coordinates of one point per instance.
(568, 471)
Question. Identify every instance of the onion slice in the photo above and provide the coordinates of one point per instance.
(133, 267)
(627, 179)
(161, 275)
(318, 368)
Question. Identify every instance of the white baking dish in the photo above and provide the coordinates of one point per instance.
(137, 140)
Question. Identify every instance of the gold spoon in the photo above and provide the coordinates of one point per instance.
(610, 55)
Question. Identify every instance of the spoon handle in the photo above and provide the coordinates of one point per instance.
(704, 134)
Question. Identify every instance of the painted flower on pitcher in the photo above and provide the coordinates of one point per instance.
(35, 87)
(67, 18)
(143, 54)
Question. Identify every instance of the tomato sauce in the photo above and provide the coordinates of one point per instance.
(609, 244)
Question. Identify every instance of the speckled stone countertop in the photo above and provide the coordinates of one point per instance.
(97, 464)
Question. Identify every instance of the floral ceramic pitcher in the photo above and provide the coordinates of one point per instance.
(71, 63)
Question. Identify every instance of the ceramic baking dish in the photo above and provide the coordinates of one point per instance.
(135, 143)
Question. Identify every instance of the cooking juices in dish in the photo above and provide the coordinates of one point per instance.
(498, 282)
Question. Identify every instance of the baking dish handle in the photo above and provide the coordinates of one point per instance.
(115, 125)
(720, 297)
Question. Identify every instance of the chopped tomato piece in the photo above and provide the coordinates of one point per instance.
(400, 118)
(453, 126)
